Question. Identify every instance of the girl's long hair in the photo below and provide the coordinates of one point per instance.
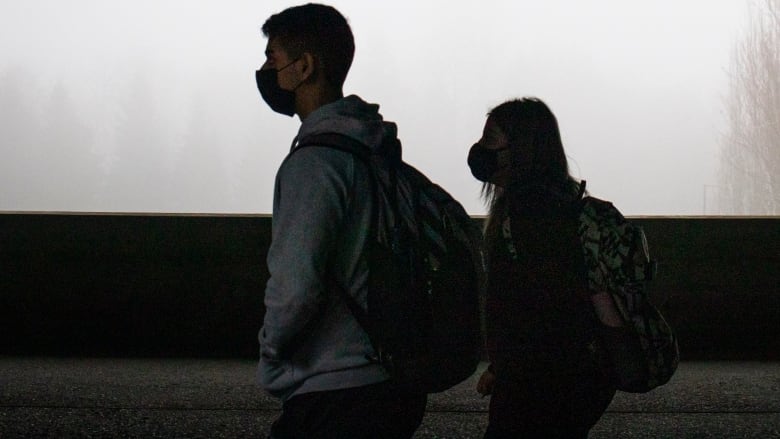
(530, 128)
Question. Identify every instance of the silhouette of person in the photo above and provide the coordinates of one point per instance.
(548, 375)
(314, 355)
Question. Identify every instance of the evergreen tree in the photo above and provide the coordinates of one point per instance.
(70, 166)
(201, 179)
(19, 130)
(139, 177)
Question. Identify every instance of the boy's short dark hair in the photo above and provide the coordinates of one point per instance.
(318, 29)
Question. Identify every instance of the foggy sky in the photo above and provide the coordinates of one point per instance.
(151, 106)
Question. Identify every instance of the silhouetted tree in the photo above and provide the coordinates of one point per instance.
(19, 132)
(70, 167)
(750, 156)
(139, 177)
(200, 176)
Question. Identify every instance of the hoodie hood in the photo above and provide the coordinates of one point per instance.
(353, 117)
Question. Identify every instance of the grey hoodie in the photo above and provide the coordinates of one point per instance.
(321, 216)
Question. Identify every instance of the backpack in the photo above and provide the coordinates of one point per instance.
(426, 273)
(618, 262)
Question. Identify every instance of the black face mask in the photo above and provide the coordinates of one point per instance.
(484, 162)
(280, 100)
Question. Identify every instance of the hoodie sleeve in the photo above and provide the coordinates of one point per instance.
(310, 201)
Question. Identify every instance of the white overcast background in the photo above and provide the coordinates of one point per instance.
(638, 87)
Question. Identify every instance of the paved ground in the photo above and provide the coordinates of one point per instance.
(51, 397)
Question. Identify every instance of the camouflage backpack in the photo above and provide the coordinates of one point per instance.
(618, 262)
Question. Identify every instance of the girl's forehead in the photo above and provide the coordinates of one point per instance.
(491, 127)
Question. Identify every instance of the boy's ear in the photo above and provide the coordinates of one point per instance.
(308, 66)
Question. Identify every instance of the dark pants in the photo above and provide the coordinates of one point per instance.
(548, 401)
(374, 411)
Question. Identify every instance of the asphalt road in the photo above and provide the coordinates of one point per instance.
(202, 398)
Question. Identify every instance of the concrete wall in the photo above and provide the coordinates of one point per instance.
(131, 285)
(151, 285)
(719, 284)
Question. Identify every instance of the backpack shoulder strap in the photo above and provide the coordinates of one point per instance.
(362, 152)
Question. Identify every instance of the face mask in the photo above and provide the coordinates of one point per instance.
(484, 162)
(280, 100)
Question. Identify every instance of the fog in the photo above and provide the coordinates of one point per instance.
(151, 106)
